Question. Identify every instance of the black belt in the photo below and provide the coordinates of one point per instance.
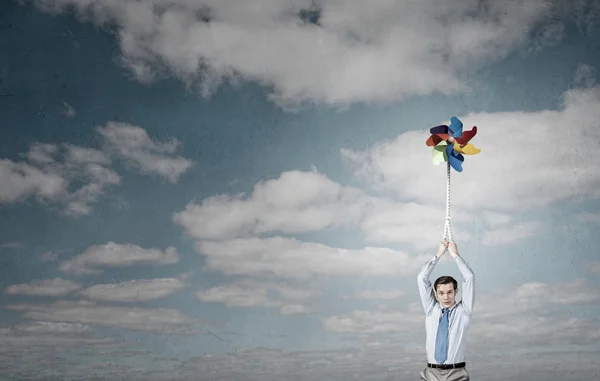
(447, 366)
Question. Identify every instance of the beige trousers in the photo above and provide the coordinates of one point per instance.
(432, 374)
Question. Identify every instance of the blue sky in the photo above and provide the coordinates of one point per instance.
(251, 197)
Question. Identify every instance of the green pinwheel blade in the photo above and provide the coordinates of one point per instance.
(439, 154)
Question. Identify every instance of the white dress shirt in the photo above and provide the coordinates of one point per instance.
(460, 313)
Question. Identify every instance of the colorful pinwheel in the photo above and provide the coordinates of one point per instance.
(450, 143)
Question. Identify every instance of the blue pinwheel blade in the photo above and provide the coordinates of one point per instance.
(443, 129)
(456, 127)
(454, 158)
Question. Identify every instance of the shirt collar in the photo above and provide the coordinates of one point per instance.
(450, 309)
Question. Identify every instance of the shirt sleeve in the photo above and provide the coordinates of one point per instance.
(468, 285)
(425, 289)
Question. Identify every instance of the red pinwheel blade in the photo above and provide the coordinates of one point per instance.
(435, 139)
(466, 136)
(442, 129)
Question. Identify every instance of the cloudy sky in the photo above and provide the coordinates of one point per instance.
(241, 189)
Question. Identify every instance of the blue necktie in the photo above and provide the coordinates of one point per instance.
(441, 340)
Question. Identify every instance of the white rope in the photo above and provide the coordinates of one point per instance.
(447, 226)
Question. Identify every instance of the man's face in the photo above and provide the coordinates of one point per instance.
(446, 294)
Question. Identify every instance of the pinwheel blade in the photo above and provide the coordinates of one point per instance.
(455, 158)
(435, 139)
(439, 155)
(467, 136)
(468, 149)
(455, 127)
(442, 129)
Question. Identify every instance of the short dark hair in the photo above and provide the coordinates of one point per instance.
(446, 279)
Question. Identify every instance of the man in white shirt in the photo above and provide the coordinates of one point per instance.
(446, 322)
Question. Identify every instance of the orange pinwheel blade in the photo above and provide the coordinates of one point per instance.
(466, 136)
(434, 140)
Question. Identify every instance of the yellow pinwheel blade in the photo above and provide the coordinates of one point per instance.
(468, 149)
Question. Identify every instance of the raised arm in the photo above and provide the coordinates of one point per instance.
(425, 289)
(468, 285)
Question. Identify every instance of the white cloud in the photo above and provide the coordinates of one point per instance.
(378, 294)
(41, 335)
(235, 233)
(296, 202)
(68, 110)
(112, 254)
(161, 320)
(41, 327)
(237, 296)
(45, 287)
(51, 173)
(511, 234)
(251, 293)
(48, 256)
(75, 177)
(300, 202)
(494, 219)
(589, 217)
(10, 245)
(83, 155)
(132, 144)
(290, 258)
(100, 177)
(418, 224)
(587, 12)
(295, 309)
(539, 331)
(21, 180)
(534, 296)
(353, 55)
(585, 75)
(39, 350)
(79, 164)
(374, 321)
(550, 34)
(42, 153)
(138, 290)
(512, 173)
(594, 267)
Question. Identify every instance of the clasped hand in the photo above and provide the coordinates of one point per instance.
(445, 245)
